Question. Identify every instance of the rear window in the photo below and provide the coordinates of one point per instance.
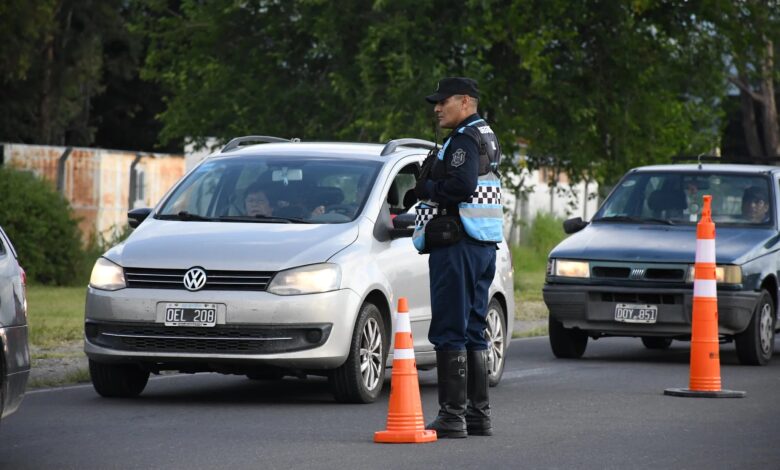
(676, 198)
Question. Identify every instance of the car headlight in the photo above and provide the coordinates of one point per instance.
(306, 280)
(726, 274)
(569, 268)
(107, 275)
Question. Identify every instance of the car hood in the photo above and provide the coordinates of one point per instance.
(662, 244)
(165, 244)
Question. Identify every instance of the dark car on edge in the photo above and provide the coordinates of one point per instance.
(629, 271)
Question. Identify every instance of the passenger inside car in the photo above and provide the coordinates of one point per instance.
(755, 205)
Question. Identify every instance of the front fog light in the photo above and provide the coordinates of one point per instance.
(306, 280)
(107, 276)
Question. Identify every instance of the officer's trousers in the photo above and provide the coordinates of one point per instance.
(461, 275)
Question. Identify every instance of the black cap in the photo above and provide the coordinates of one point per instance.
(453, 86)
(754, 193)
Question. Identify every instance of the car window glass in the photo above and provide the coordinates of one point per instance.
(318, 190)
(400, 196)
(677, 198)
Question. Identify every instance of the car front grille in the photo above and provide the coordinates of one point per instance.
(222, 339)
(640, 273)
(144, 278)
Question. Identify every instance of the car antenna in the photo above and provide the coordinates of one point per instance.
(698, 158)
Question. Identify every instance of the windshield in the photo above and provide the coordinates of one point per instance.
(676, 198)
(276, 190)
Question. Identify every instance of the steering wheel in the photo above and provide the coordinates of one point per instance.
(343, 209)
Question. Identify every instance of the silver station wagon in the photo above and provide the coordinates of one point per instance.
(274, 259)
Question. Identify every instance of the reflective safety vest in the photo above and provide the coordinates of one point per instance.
(482, 214)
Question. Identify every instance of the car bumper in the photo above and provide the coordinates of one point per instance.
(16, 353)
(253, 328)
(592, 308)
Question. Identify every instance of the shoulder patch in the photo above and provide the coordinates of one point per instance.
(458, 157)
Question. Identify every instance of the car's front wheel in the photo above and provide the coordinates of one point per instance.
(567, 343)
(496, 337)
(756, 344)
(118, 380)
(360, 378)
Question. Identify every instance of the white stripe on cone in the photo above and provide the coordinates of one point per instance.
(403, 354)
(705, 288)
(705, 250)
(402, 324)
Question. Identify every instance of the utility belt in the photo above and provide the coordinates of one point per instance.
(440, 227)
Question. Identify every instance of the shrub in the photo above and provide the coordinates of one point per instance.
(41, 226)
(546, 232)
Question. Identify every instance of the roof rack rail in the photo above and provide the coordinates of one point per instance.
(391, 146)
(759, 160)
(234, 143)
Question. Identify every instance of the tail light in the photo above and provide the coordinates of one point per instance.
(24, 289)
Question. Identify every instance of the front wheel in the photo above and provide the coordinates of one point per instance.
(567, 343)
(118, 380)
(496, 337)
(360, 378)
(756, 344)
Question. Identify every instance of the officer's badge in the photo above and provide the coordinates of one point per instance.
(458, 157)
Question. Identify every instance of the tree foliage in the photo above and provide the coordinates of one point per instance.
(594, 86)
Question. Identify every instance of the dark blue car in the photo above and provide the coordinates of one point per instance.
(629, 271)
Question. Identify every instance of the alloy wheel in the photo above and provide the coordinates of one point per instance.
(371, 354)
(495, 338)
(766, 330)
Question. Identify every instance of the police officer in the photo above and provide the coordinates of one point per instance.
(464, 181)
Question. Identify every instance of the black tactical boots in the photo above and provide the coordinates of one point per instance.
(451, 370)
(478, 408)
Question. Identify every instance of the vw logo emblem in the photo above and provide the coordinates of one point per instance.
(195, 279)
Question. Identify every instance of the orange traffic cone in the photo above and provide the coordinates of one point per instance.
(404, 416)
(705, 355)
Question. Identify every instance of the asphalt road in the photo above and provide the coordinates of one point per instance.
(604, 411)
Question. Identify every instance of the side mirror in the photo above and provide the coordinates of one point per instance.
(574, 225)
(403, 226)
(136, 216)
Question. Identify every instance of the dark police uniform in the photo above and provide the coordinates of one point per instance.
(461, 274)
(463, 181)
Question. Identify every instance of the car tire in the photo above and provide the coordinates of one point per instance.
(360, 378)
(496, 336)
(755, 345)
(566, 343)
(2, 381)
(656, 342)
(118, 380)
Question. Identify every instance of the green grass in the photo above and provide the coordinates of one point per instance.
(80, 375)
(55, 315)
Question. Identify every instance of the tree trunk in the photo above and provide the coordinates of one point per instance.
(45, 125)
(769, 108)
(749, 126)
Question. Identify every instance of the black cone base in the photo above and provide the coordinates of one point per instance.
(685, 392)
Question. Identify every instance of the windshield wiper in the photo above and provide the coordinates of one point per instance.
(263, 219)
(184, 215)
(629, 218)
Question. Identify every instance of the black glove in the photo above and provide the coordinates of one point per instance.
(420, 190)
